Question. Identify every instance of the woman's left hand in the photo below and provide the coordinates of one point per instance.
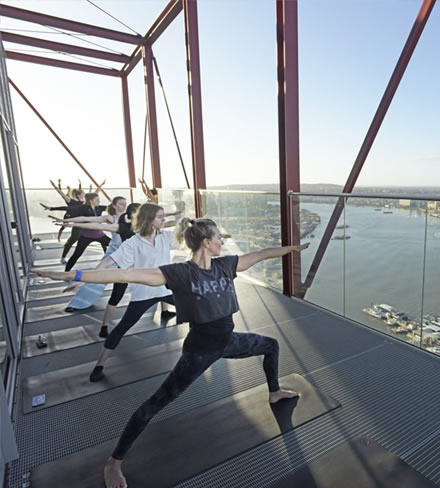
(301, 247)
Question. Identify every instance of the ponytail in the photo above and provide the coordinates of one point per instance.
(194, 231)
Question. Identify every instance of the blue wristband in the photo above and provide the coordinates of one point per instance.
(78, 275)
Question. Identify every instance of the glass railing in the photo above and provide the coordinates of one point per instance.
(379, 268)
(381, 264)
(253, 220)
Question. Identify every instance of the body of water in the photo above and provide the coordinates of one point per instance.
(382, 262)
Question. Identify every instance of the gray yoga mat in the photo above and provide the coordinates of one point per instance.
(179, 447)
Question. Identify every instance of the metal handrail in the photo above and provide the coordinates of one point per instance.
(380, 196)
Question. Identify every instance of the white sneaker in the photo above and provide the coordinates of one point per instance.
(63, 261)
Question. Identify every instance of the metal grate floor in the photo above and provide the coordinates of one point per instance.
(388, 390)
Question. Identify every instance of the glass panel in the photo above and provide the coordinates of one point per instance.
(384, 264)
(12, 215)
(431, 305)
(177, 200)
(327, 289)
(3, 345)
(253, 220)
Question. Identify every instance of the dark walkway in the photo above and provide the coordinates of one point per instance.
(388, 391)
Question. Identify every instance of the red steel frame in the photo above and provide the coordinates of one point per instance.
(287, 54)
(195, 100)
(288, 136)
(143, 50)
(147, 56)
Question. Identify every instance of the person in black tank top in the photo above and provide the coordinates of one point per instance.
(205, 297)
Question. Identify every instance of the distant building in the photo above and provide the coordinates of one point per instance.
(404, 203)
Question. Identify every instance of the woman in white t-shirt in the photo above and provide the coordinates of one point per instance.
(149, 247)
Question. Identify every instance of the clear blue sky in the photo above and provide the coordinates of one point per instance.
(348, 49)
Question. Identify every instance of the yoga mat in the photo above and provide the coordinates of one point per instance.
(179, 447)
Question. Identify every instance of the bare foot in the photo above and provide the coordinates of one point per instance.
(276, 396)
(113, 476)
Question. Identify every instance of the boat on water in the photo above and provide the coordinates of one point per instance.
(387, 211)
(340, 238)
(373, 312)
(403, 323)
(377, 209)
(342, 226)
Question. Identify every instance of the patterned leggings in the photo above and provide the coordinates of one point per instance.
(189, 367)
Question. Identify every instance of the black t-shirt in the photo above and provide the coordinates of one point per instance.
(124, 228)
(72, 209)
(206, 299)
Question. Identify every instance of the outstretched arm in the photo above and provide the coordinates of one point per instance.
(99, 187)
(247, 260)
(94, 220)
(143, 276)
(91, 225)
(104, 264)
(60, 192)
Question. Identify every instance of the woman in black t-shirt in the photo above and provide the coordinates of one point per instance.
(91, 208)
(205, 296)
(74, 202)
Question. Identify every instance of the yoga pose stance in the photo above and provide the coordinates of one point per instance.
(87, 295)
(96, 224)
(205, 297)
(93, 209)
(90, 292)
(74, 200)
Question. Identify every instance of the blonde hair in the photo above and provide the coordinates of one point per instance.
(142, 220)
(194, 231)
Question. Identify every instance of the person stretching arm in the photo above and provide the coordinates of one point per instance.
(201, 348)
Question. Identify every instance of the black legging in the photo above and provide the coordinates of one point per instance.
(83, 242)
(117, 293)
(189, 367)
(134, 312)
(74, 236)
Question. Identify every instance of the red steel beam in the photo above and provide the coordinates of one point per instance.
(49, 20)
(288, 120)
(152, 116)
(62, 64)
(168, 14)
(57, 137)
(66, 48)
(393, 84)
(128, 134)
(195, 99)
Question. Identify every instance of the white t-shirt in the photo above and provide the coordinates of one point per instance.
(116, 239)
(138, 252)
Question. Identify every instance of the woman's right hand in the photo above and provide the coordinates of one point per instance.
(44, 206)
(54, 275)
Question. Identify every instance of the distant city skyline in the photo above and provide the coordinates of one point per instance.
(347, 52)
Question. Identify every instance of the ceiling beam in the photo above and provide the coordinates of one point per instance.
(61, 64)
(168, 14)
(49, 20)
(65, 48)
